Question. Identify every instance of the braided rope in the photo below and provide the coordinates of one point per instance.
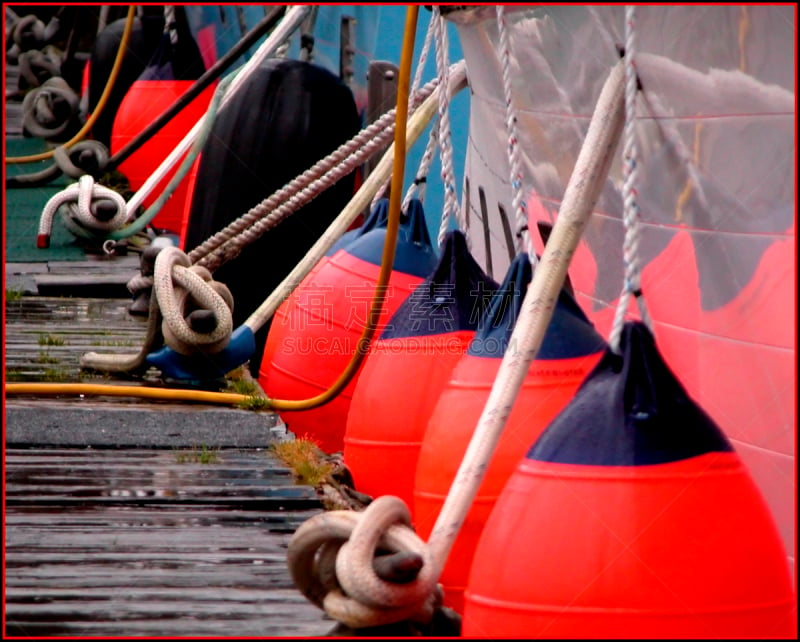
(172, 267)
(524, 243)
(227, 243)
(451, 208)
(631, 214)
(417, 187)
(83, 218)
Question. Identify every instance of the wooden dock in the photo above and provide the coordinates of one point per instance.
(131, 517)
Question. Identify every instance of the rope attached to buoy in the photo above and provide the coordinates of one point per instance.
(523, 237)
(585, 184)
(451, 208)
(631, 212)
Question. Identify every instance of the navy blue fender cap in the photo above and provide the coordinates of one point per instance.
(414, 254)
(569, 334)
(630, 411)
(453, 298)
(378, 217)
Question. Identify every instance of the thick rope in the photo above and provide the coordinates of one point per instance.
(172, 267)
(631, 214)
(123, 46)
(585, 184)
(228, 242)
(330, 560)
(88, 196)
(451, 209)
(524, 243)
(50, 109)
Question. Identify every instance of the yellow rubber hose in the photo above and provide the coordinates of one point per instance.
(167, 394)
(390, 244)
(112, 78)
(387, 262)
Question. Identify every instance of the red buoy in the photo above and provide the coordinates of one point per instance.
(631, 517)
(145, 101)
(314, 333)
(570, 349)
(406, 370)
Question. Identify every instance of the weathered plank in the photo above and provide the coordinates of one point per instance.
(114, 564)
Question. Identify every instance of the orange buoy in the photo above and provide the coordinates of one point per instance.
(570, 349)
(169, 74)
(145, 101)
(407, 368)
(314, 333)
(631, 517)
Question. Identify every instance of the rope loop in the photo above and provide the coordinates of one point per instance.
(37, 66)
(84, 157)
(332, 555)
(48, 110)
(89, 206)
(196, 310)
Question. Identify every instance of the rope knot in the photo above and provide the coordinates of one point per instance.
(196, 310)
(89, 207)
(335, 562)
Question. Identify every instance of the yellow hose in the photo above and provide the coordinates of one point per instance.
(123, 45)
(392, 226)
(387, 262)
(166, 394)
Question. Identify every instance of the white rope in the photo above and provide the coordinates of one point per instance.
(225, 244)
(631, 213)
(82, 210)
(286, 27)
(417, 188)
(385, 603)
(451, 208)
(524, 243)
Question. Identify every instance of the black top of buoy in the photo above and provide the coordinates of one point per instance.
(569, 334)
(630, 411)
(378, 217)
(452, 298)
(414, 253)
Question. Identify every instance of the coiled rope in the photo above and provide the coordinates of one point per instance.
(383, 601)
(123, 46)
(127, 226)
(48, 110)
(631, 214)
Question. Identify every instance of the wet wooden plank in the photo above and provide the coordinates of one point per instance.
(205, 568)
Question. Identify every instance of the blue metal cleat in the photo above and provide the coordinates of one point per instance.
(197, 368)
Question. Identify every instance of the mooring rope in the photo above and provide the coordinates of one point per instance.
(386, 602)
(115, 69)
(632, 286)
(524, 243)
(451, 208)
